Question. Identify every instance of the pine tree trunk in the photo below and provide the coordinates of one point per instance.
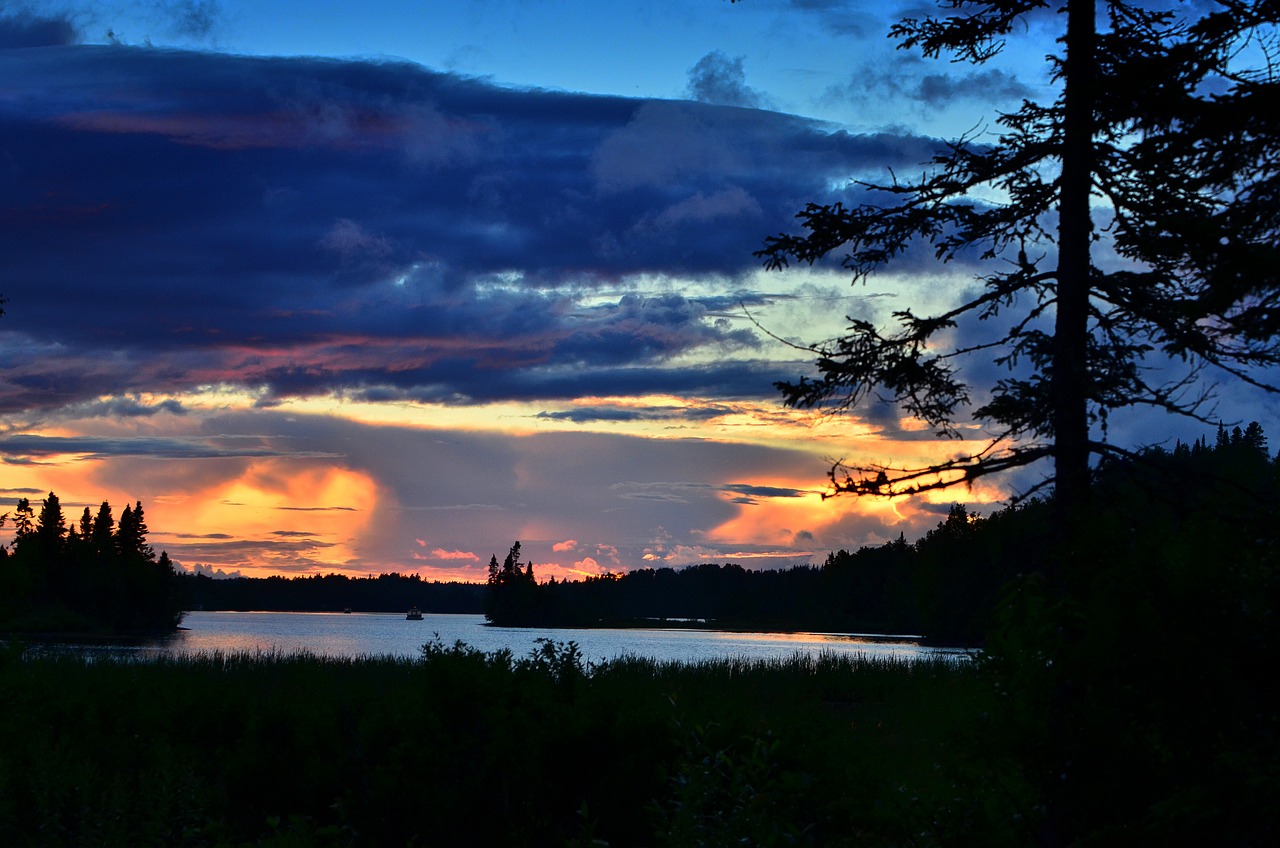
(1070, 403)
(1075, 232)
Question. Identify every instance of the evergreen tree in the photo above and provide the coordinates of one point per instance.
(511, 564)
(1163, 130)
(23, 520)
(103, 530)
(512, 596)
(131, 535)
(51, 527)
(85, 578)
(1256, 440)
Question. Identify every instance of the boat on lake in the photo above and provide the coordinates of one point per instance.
(415, 614)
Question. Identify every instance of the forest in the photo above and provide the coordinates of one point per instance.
(392, 592)
(97, 576)
(948, 585)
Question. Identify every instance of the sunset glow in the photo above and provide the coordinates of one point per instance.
(327, 313)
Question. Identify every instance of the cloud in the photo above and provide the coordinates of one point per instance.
(124, 407)
(29, 446)
(842, 18)
(316, 508)
(281, 555)
(454, 556)
(622, 413)
(765, 491)
(23, 29)
(566, 545)
(215, 573)
(393, 233)
(722, 81)
(380, 233)
(21, 491)
(348, 239)
(944, 89)
(192, 18)
(589, 566)
(903, 81)
(725, 204)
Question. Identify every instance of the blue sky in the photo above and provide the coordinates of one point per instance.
(387, 286)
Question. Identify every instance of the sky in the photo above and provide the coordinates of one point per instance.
(357, 288)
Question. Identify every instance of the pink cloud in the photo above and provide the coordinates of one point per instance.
(440, 553)
(567, 545)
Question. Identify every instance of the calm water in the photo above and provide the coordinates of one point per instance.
(358, 634)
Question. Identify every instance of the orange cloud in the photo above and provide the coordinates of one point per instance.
(275, 497)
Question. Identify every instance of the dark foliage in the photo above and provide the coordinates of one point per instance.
(329, 593)
(511, 594)
(1159, 132)
(96, 576)
(946, 586)
(464, 748)
(1135, 711)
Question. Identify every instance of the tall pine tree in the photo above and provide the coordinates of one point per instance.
(1162, 141)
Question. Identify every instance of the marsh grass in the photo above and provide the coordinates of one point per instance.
(463, 747)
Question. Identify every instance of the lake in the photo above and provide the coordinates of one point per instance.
(388, 634)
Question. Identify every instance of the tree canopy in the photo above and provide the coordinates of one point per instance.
(93, 576)
(1131, 229)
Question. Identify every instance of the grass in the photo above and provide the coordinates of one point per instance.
(462, 747)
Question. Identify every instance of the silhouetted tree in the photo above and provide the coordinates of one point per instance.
(23, 519)
(511, 595)
(86, 577)
(103, 529)
(1163, 133)
(51, 526)
(131, 534)
(1255, 440)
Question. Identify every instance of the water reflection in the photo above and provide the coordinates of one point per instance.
(374, 634)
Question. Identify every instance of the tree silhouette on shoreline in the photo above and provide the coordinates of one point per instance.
(99, 575)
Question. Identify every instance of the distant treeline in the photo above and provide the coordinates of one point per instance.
(944, 586)
(947, 586)
(330, 593)
(96, 576)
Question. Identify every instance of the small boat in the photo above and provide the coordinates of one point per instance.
(415, 614)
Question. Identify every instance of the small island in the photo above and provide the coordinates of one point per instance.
(96, 579)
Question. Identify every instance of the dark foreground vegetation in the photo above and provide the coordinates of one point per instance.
(1133, 709)
(461, 748)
